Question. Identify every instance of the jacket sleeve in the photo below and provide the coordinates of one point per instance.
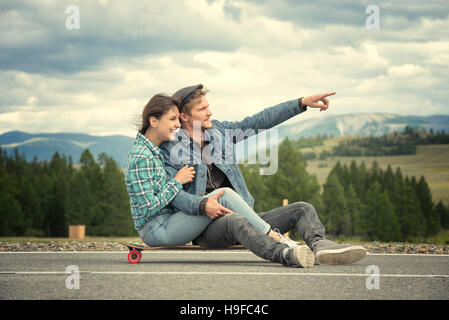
(183, 201)
(265, 119)
(142, 181)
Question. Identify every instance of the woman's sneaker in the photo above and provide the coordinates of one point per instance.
(286, 240)
(329, 252)
(303, 256)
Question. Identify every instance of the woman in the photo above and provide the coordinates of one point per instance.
(151, 190)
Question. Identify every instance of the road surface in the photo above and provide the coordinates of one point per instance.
(228, 275)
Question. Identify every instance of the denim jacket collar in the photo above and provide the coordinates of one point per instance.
(218, 147)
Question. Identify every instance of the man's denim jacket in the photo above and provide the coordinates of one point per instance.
(222, 136)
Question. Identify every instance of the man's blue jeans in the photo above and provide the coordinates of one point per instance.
(180, 228)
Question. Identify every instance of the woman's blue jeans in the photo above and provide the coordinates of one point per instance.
(179, 228)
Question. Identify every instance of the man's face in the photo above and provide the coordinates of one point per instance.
(200, 112)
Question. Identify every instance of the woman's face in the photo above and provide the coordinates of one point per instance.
(167, 125)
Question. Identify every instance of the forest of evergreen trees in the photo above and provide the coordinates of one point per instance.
(380, 205)
(43, 199)
(372, 204)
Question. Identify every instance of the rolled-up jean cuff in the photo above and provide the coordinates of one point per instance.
(267, 229)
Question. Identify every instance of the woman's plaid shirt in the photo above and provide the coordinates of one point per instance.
(149, 189)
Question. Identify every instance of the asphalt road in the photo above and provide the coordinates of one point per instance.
(228, 275)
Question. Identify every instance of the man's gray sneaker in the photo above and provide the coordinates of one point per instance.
(303, 256)
(329, 252)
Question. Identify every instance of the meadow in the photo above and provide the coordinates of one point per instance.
(431, 161)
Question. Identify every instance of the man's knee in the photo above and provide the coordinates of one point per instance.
(234, 220)
(303, 207)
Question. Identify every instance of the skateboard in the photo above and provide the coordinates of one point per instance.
(135, 250)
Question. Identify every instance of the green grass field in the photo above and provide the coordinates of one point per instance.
(431, 161)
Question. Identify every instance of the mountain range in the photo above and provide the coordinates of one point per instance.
(362, 124)
(44, 145)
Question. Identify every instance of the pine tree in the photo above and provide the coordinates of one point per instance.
(433, 224)
(380, 221)
(370, 216)
(388, 225)
(355, 208)
(345, 177)
(95, 214)
(443, 213)
(336, 217)
(114, 200)
(375, 174)
(55, 218)
(412, 221)
(78, 200)
(357, 179)
(388, 179)
(11, 218)
(397, 198)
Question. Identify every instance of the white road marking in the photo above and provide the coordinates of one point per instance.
(226, 273)
(145, 251)
(207, 252)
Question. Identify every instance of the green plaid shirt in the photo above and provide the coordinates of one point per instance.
(146, 181)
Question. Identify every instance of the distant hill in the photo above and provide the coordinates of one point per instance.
(44, 145)
(355, 124)
(360, 124)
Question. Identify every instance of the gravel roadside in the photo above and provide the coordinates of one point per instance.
(372, 247)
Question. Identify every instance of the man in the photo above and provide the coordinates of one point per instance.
(214, 170)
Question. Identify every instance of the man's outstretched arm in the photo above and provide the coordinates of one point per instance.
(272, 116)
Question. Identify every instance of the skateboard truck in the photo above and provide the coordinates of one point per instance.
(135, 254)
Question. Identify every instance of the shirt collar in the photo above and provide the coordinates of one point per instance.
(143, 139)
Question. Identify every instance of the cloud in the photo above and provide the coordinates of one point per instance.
(250, 54)
(35, 38)
(406, 70)
(345, 12)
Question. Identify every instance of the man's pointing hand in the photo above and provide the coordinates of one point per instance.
(312, 101)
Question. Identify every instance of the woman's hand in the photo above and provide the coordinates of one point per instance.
(185, 174)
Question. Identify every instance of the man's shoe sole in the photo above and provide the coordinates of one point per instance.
(340, 256)
(303, 256)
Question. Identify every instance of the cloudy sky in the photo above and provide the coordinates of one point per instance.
(250, 54)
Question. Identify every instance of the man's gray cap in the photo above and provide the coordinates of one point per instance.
(185, 94)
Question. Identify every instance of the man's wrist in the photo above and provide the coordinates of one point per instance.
(302, 106)
(202, 207)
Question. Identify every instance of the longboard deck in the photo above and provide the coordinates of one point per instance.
(184, 247)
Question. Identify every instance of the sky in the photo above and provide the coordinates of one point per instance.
(250, 54)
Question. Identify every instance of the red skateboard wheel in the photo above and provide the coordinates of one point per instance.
(134, 256)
